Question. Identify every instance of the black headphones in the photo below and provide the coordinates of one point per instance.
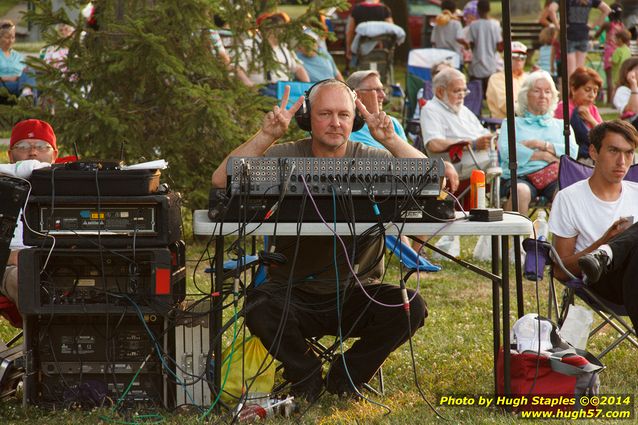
(302, 116)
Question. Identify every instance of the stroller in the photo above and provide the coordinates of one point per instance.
(373, 48)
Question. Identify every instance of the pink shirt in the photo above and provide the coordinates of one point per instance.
(593, 110)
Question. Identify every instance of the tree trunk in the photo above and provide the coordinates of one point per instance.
(400, 16)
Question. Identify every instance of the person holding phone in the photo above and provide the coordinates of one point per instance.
(592, 219)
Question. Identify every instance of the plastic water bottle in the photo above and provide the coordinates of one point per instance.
(417, 106)
(494, 168)
(526, 332)
(575, 328)
(541, 227)
(266, 407)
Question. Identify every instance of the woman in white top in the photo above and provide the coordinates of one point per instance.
(626, 96)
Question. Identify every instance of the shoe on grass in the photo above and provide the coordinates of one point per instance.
(309, 388)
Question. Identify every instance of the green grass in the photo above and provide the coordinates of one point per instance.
(6, 5)
(453, 355)
(32, 47)
(293, 10)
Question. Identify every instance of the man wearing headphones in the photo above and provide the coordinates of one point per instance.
(312, 291)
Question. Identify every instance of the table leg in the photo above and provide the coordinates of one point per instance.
(216, 316)
(506, 313)
(496, 321)
(519, 277)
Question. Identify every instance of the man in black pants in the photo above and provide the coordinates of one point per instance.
(591, 219)
(307, 295)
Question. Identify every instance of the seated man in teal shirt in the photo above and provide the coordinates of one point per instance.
(368, 86)
(539, 139)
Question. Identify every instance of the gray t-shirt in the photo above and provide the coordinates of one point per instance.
(314, 269)
(486, 35)
(444, 37)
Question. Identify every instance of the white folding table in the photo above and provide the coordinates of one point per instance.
(513, 224)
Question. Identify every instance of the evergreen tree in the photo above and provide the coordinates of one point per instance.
(144, 74)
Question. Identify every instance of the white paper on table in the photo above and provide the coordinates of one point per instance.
(159, 164)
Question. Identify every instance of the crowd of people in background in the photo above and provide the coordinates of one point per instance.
(473, 35)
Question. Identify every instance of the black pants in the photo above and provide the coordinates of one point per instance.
(620, 284)
(483, 81)
(380, 329)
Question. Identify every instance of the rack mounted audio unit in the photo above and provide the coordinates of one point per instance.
(93, 178)
(109, 221)
(91, 281)
(91, 362)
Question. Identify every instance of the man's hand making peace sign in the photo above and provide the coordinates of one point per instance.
(273, 127)
(276, 122)
(382, 130)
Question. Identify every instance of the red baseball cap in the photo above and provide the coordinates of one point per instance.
(32, 129)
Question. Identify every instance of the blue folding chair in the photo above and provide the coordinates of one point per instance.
(474, 102)
(409, 258)
(297, 88)
(242, 263)
(540, 253)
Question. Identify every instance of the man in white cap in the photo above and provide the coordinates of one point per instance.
(495, 94)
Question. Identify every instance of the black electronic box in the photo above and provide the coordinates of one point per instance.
(91, 281)
(93, 179)
(109, 221)
(94, 361)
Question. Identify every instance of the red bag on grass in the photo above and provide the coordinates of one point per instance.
(553, 382)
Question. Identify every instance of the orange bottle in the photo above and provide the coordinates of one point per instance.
(477, 189)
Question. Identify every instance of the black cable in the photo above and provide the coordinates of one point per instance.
(399, 203)
(416, 378)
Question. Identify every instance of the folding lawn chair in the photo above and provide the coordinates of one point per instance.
(11, 372)
(411, 262)
(474, 102)
(540, 253)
